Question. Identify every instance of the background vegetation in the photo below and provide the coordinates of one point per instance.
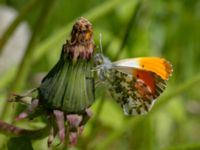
(130, 28)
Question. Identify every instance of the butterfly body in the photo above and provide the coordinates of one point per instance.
(134, 83)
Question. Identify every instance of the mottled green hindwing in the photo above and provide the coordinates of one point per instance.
(132, 93)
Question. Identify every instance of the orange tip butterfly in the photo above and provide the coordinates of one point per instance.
(134, 83)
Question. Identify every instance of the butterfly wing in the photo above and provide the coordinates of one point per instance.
(136, 83)
(158, 65)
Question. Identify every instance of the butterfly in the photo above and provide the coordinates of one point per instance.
(134, 83)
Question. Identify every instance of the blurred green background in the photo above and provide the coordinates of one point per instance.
(130, 28)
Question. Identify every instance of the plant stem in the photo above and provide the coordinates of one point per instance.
(115, 135)
(180, 89)
(25, 10)
(132, 24)
(13, 131)
(24, 67)
(94, 123)
(192, 146)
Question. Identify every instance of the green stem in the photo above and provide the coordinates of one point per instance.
(193, 146)
(25, 10)
(180, 89)
(13, 131)
(94, 123)
(25, 65)
(115, 135)
(132, 24)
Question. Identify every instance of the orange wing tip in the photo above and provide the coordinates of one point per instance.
(168, 68)
(160, 66)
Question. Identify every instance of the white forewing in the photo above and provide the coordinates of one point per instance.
(126, 65)
(132, 63)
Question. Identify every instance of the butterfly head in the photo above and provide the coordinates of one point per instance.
(98, 59)
(102, 63)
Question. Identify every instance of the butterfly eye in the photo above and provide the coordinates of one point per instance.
(99, 62)
(98, 59)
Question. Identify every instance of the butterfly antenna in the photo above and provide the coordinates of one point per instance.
(100, 42)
